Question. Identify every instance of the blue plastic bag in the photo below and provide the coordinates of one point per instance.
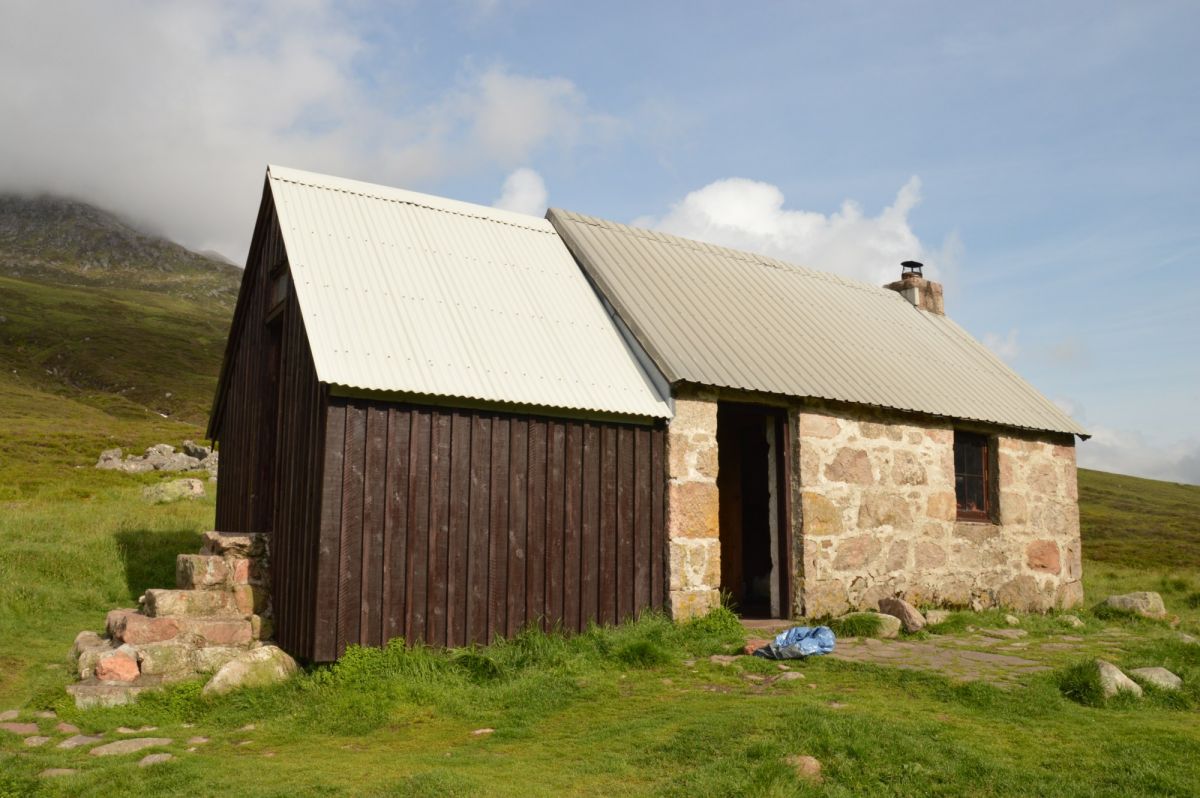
(799, 642)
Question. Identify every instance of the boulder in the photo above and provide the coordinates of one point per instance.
(1159, 677)
(1113, 681)
(808, 768)
(193, 449)
(1072, 621)
(1145, 603)
(110, 459)
(910, 617)
(255, 668)
(173, 491)
(1012, 620)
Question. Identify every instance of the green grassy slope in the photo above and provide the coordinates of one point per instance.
(1137, 522)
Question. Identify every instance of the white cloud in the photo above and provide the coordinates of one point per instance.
(751, 215)
(169, 112)
(1127, 452)
(524, 191)
(1006, 347)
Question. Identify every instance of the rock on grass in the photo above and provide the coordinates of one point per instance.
(1113, 680)
(258, 667)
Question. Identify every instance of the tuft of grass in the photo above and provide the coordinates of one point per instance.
(1080, 682)
(857, 625)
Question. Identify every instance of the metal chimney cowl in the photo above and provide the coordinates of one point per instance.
(922, 293)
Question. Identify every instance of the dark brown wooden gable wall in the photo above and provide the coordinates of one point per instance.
(452, 526)
(271, 439)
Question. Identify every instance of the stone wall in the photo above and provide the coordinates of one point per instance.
(694, 547)
(878, 518)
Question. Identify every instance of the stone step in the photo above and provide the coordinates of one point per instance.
(231, 544)
(130, 626)
(158, 603)
(214, 572)
(94, 693)
(174, 661)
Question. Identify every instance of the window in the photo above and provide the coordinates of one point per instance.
(972, 476)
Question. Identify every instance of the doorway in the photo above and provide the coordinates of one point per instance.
(751, 482)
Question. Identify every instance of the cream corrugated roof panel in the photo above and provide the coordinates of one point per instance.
(715, 316)
(407, 293)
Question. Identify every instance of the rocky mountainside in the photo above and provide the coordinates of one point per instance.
(52, 239)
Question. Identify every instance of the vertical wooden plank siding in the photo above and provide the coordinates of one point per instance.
(459, 526)
(272, 450)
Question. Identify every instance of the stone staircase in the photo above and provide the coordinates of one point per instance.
(218, 611)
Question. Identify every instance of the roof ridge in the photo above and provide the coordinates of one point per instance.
(406, 196)
(743, 255)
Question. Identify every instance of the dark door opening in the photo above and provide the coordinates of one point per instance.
(753, 512)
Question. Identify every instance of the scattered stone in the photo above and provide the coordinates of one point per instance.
(143, 730)
(753, 677)
(51, 773)
(173, 491)
(790, 676)
(723, 659)
(79, 740)
(248, 727)
(130, 746)
(66, 728)
(197, 740)
(45, 714)
(934, 617)
(1184, 637)
(836, 704)
(1072, 621)
(1145, 603)
(154, 759)
(9, 714)
(482, 732)
(193, 449)
(255, 668)
(909, 616)
(1009, 634)
(34, 742)
(807, 768)
(1159, 677)
(22, 729)
(1012, 620)
(1113, 681)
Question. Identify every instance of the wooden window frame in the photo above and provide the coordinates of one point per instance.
(988, 445)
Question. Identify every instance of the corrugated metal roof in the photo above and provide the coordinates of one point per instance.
(404, 292)
(720, 317)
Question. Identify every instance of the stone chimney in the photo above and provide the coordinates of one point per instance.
(912, 285)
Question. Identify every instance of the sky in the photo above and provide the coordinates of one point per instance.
(1042, 159)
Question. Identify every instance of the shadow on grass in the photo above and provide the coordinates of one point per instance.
(149, 556)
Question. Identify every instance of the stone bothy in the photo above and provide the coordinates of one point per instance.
(451, 422)
(834, 443)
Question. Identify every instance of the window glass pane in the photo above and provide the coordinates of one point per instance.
(970, 470)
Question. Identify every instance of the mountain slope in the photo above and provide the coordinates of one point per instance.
(52, 239)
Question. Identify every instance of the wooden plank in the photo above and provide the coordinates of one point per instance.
(350, 587)
(641, 510)
(555, 498)
(477, 532)
(396, 539)
(658, 518)
(608, 526)
(518, 507)
(535, 553)
(589, 566)
(374, 512)
(416, 595)
(329, 558)
(625, 522)
(439, 526)
(572, 525)
(459, 529)
(498, 531)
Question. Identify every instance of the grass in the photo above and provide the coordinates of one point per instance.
(1139, 522)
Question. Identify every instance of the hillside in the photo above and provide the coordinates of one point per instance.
(108, 337)
(1138, 522)
(55, 240)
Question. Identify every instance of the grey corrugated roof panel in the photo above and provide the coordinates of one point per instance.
(722, 317)
(407, 293)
